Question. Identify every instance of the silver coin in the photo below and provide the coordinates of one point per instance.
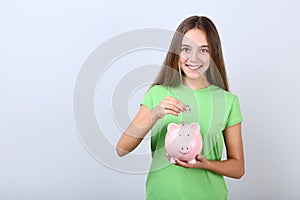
(187, 109)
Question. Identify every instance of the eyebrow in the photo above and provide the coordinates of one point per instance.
(186, 45)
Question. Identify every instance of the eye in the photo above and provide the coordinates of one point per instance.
(185, 50)
(203, 51)
(188, 134)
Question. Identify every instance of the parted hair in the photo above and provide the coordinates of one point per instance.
(216, 73)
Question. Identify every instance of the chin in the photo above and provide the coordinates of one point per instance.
(193, 76)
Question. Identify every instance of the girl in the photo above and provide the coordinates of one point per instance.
(193, 76)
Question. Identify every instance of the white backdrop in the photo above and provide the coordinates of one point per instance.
(44, 44)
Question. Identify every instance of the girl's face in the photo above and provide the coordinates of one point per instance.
(194, 56)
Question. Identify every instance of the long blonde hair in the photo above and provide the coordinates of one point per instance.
(216, 73)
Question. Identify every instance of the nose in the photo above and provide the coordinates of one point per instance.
(184, 149)
(194, 57)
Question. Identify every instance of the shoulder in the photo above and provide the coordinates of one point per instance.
(159, 89)
(229, 96)
(154, 95)
(156, 92)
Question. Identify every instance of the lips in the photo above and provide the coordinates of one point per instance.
(193, 67)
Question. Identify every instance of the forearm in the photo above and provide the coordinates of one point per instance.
(232, 167)
(144, 121)
(135, 132)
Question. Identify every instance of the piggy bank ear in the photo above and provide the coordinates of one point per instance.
(194, 127)
(172, 127)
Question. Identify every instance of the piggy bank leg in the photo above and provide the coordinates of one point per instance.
(192, 161)
(172, 160)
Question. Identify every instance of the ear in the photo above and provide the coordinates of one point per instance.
(194, 127)
(172, 127)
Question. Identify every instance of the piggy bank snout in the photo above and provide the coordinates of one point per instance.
(184, 149)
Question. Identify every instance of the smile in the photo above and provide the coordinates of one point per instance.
(193, 67)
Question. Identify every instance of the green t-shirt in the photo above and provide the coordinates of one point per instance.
(214, 109)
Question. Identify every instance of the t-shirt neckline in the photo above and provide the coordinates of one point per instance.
(197, 90)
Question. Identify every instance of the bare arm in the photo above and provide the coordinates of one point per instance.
(136, 131)
(233, 166)
(144, 121)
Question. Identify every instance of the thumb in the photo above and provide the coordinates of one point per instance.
(200, 157)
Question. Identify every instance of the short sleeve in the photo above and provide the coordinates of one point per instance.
(148, 99)
(235, 114)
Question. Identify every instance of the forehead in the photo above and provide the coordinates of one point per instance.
(194, 37)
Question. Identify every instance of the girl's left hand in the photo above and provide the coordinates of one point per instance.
(201, 162)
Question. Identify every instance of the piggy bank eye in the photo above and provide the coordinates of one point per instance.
(180, 134)
(188, 134)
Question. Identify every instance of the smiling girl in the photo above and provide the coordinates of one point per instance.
(193, 75)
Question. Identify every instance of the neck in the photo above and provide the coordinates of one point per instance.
(196, 84)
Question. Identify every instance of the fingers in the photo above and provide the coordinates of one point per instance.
(200, 162)
(200, 157)
(182, 163)
(168, 156)
(170, 105)
(173, 106)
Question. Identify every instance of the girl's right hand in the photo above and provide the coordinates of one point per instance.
(169, 105)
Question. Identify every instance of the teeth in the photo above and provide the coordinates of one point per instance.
(193, 67)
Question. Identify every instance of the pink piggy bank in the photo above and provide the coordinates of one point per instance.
(183, 141)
